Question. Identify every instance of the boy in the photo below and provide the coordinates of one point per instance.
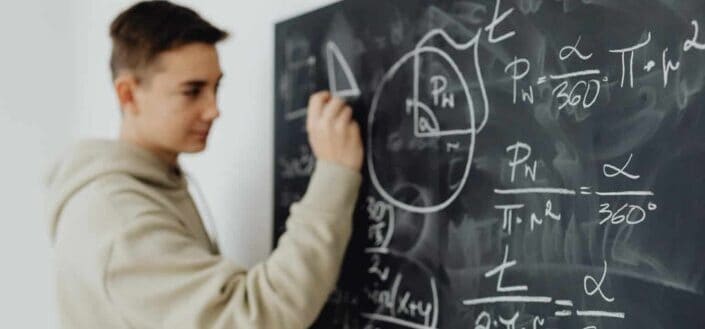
(131, 250)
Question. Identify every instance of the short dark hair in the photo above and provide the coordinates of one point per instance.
(148, 28)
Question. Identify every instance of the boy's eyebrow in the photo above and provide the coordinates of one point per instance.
(199, 83)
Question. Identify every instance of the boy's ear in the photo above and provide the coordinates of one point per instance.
(125, 87)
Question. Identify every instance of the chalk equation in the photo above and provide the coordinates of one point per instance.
(492, 197)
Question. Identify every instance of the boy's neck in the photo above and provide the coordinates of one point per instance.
(168, 157)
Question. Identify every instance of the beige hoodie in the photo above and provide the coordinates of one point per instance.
(131, 250)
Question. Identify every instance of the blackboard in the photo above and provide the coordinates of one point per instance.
(529, 164)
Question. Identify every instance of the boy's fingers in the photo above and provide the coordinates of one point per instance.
(316, 103)
(354, 127)
(344, 116)
(332, 108)
(315, 107)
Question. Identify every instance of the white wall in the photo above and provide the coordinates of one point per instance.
(36, 111)
(55, 88)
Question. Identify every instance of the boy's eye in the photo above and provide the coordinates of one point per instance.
(192, 92)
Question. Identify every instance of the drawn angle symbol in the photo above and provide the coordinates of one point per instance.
(426, 120)
(341, 80)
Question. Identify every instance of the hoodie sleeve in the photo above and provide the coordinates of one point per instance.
(158, 276)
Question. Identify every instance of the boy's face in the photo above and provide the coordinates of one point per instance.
(176, 107)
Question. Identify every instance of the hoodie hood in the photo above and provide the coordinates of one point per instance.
(90, 159)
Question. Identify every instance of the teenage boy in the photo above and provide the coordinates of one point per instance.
(131, 250)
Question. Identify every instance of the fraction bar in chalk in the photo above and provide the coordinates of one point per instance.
(635, 193)
(392, 320)
(536, 190)
(619, 315)
(508, 299)
(564, 302)
(574, 74)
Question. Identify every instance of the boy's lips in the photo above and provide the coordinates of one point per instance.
(201, 133)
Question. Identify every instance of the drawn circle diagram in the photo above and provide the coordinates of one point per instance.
(422, 128)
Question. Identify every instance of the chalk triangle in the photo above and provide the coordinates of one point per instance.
(341, 80)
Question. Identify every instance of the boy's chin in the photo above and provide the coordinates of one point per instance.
(194, 147)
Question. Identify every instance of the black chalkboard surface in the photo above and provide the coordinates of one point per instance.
(529, 163)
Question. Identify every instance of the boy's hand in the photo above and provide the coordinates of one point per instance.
(333, 134)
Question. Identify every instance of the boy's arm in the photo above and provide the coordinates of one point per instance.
(158, 274)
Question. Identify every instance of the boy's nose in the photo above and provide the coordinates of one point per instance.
(211, 111)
